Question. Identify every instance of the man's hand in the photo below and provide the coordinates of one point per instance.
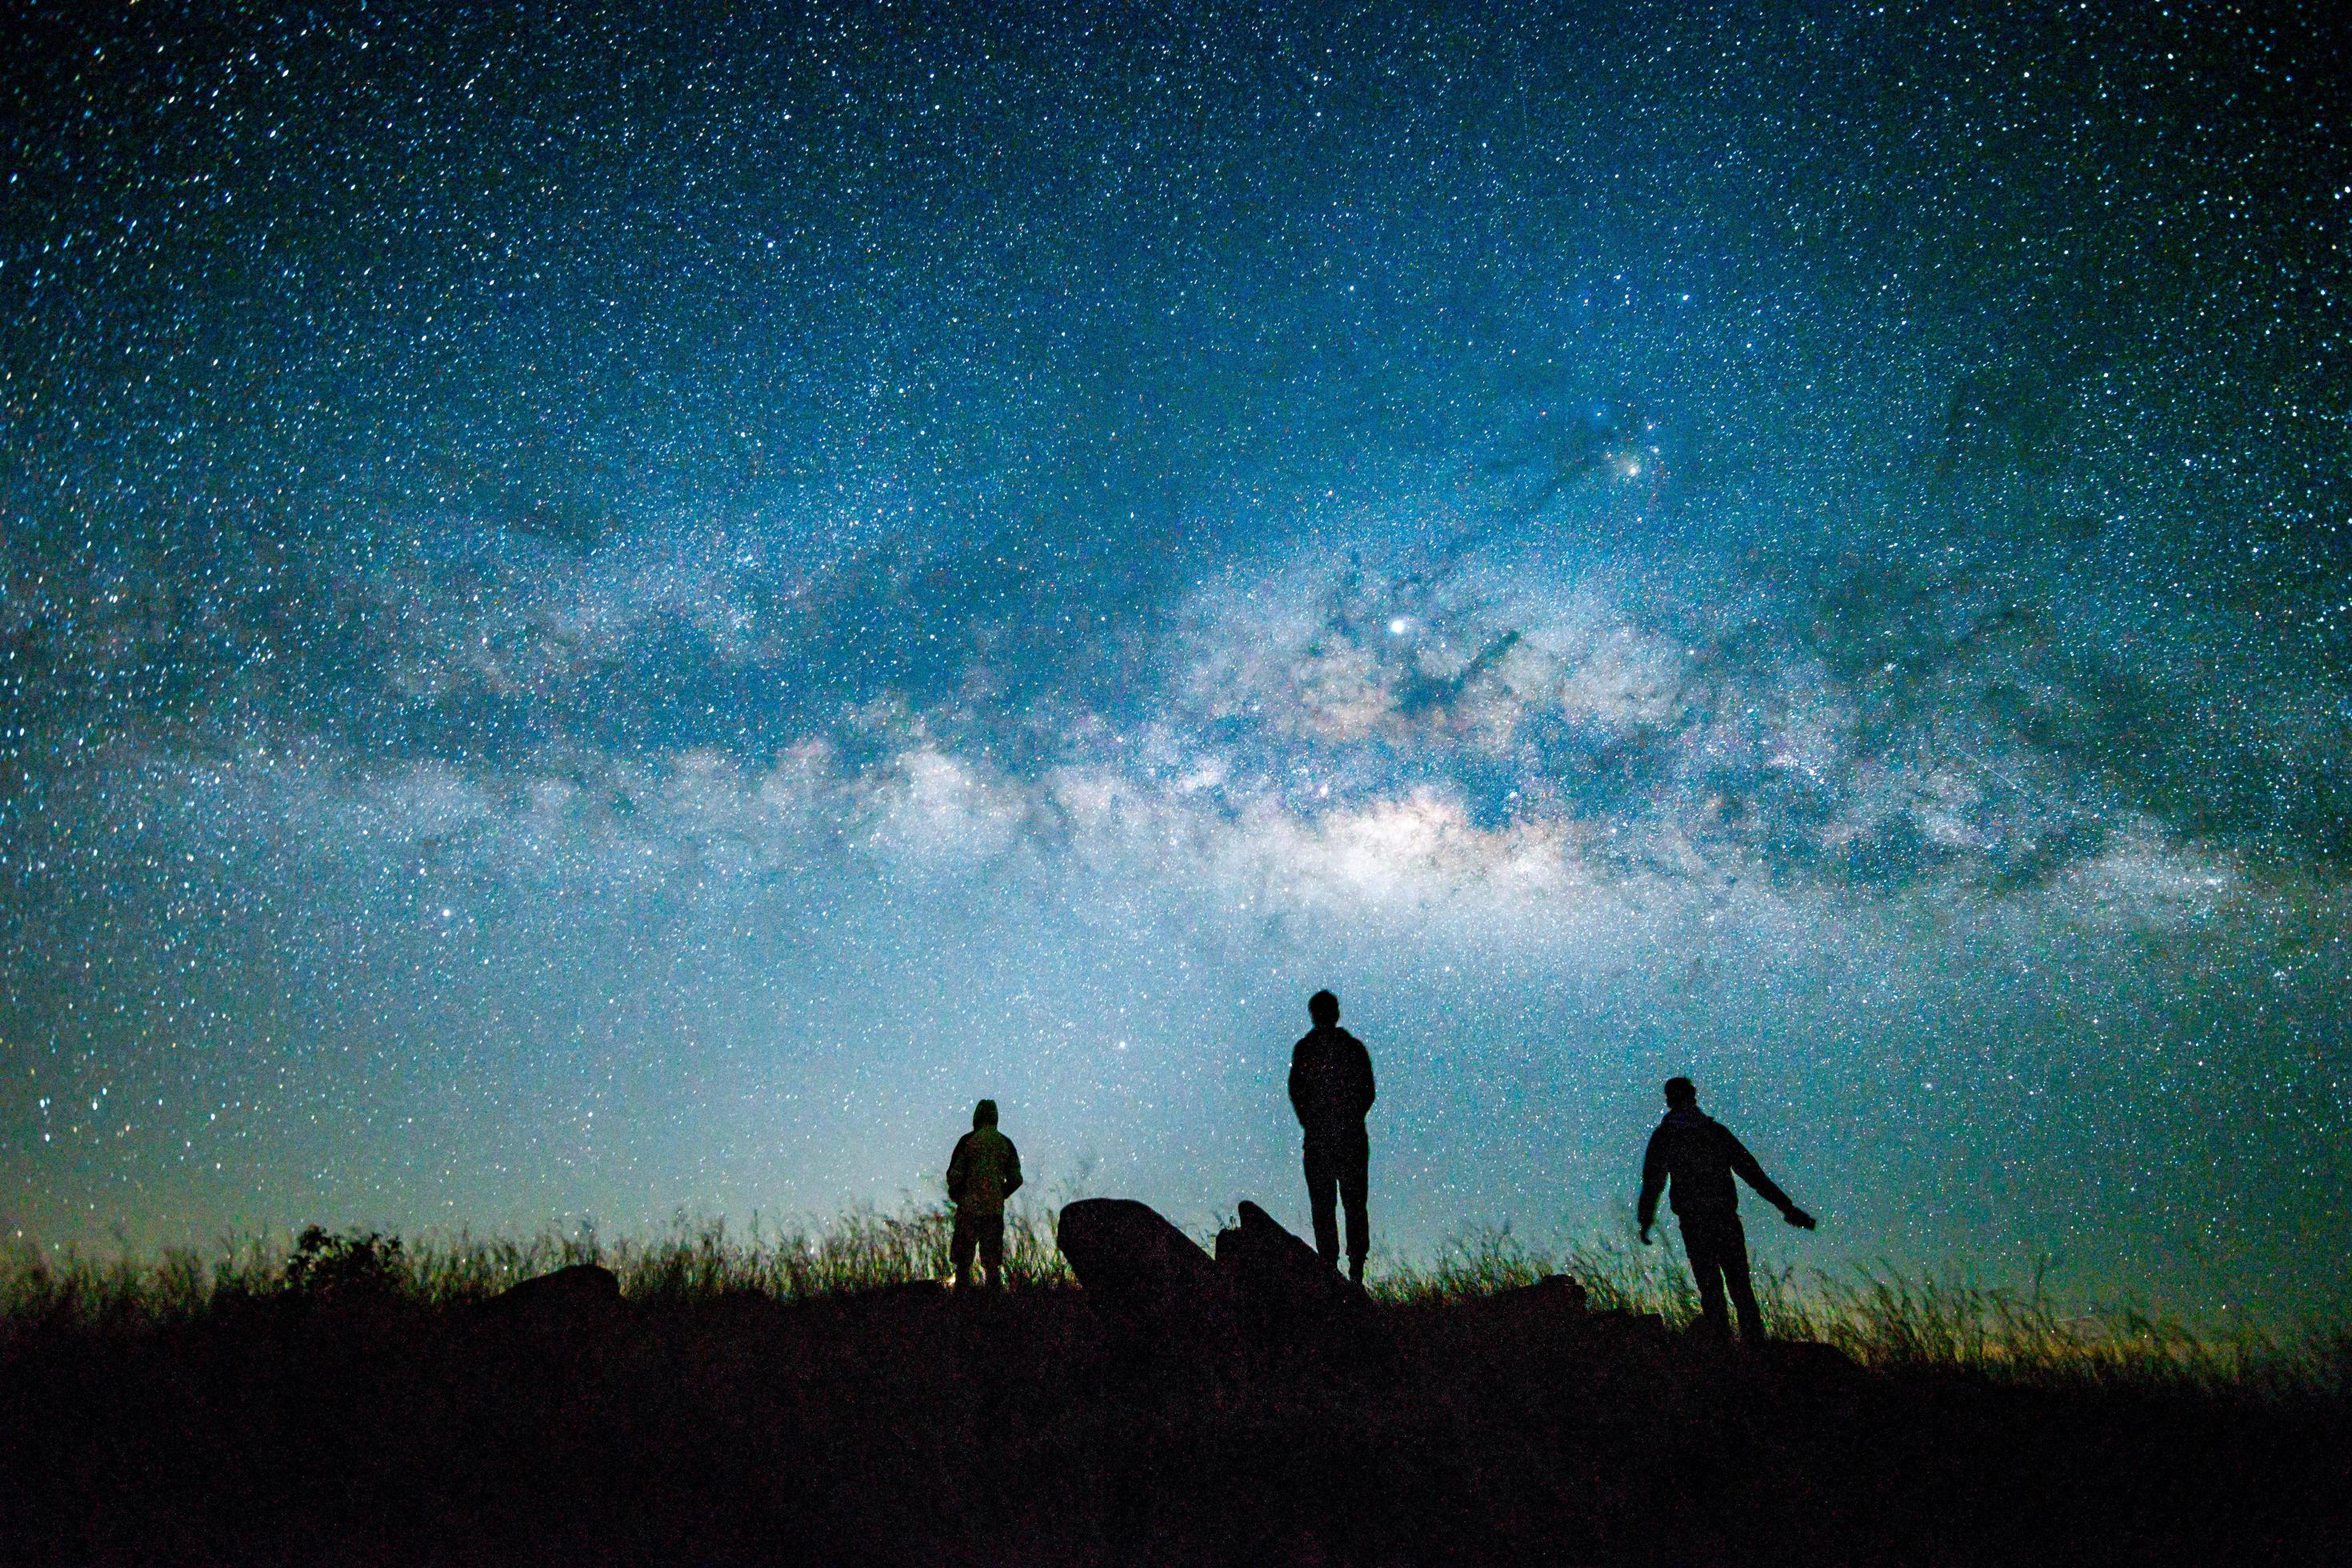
(1645, 1235)
(1798, 1218)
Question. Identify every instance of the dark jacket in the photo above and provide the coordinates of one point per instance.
(984, 1170)
(1330, 1081)
(1700, 1155)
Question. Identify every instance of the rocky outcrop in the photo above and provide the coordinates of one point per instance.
(1272, 1262)
(1170, 1310)
(1266, 1287)
(1553, 1293)
(584, 1291)
(1288, 1295)
(1133, 1262)
(1808, 1361)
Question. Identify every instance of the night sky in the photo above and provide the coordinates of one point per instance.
(611, 610)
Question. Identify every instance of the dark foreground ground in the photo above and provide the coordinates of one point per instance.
(909, 1427)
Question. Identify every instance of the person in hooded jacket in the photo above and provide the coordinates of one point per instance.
(1698, 1155)
(984, 1170)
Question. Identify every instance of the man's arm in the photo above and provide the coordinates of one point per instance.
(959, 1168)
(1654, 1180)
(1297, 1081)
(1753, 1174)
(1366, 1092)
(1013, 1168)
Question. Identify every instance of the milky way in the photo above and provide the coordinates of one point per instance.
(607, 614)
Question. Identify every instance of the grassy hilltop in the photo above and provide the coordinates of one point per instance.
(811, 1397)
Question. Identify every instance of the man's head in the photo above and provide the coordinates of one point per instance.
(1681, 1094)
(1324, 1008)
(984, 1113)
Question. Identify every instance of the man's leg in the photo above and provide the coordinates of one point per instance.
(1355, 1182)
(1322, 1194)
(1701, 1246)
(1733, 1255)
(960, 1248)
(991, 1250)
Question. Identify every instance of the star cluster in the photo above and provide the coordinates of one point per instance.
(609, 610)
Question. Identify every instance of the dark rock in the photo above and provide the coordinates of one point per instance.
(1547, 1319)
(582, 1290)
(743, 1307)
(1624, 1338)
(1129, 1258)
(1173, 1326)
(1807, 1359)
(1288, 1291)
(1551, 1294)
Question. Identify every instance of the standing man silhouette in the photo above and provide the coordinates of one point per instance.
(1331, 1090)
(984, 1170)
(1700, 1155)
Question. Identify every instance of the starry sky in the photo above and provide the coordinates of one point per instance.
(612, 609)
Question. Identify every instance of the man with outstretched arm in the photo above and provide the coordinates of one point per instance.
(1699, 1155)
(1331, 1091)
(984, 1170)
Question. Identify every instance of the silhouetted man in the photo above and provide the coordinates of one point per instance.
(984, 1170)
(1699, 1154)
(1331, 1088)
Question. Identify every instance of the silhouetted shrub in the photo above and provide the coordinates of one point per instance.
(325, 1265)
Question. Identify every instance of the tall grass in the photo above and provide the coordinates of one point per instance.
(1883, 1318)
(1617, 1276)
(2017, 1334)
(693, 1258)
(1889, 1321)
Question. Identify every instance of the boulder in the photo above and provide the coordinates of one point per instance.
(1808, 1360)
(1171, 1311)
(1130, 1259)
(1628, 1337)
(1552, 1294)
(1547, 1317)
(1286, 1290)
(581, 1291)
(1292, 1302)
